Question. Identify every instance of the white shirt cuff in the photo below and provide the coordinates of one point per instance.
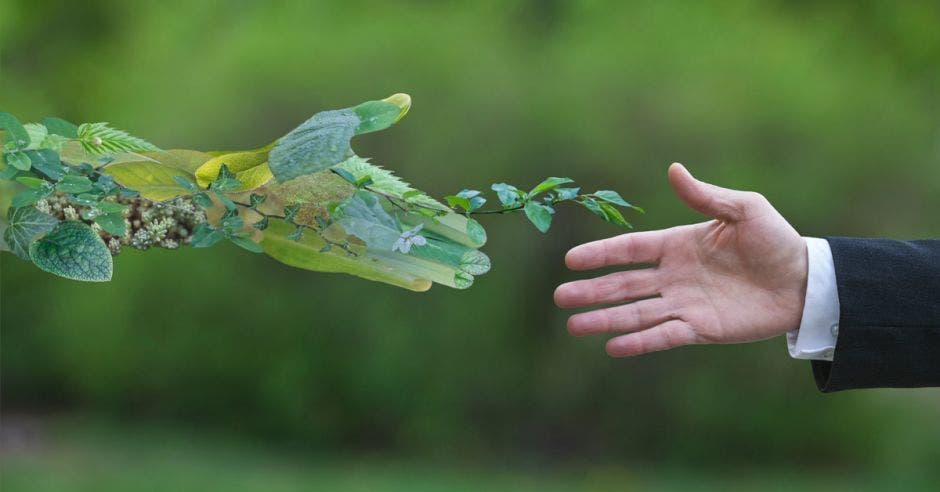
(819, 328)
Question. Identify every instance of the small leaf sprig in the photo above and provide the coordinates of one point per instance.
(539, 203)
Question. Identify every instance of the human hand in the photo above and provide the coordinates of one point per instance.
(738, 278)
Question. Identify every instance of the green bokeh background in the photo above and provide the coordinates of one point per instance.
(221, 369)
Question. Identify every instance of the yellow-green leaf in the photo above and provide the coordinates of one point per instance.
(153, 173)
(250, 167)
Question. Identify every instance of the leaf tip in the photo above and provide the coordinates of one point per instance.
(403, 101)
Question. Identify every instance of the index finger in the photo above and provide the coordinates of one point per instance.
(630, 248)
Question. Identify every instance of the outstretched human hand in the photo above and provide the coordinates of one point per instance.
(738, 278)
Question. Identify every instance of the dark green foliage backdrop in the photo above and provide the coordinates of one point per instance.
(832, 111)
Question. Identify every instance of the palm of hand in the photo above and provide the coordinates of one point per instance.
(738, 278)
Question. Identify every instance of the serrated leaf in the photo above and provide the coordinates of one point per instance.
(25, 225)
(539, 215)
(72, 250)
(549, 184)
(101, 139)
(324, 140)
(385, 181)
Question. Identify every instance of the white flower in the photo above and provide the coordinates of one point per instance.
(408, 239)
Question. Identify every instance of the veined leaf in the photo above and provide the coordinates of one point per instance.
(156, 180)
(74, 251)
(250, 167)
(25, 225)
(324, 140)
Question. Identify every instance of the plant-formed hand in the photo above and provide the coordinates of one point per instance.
(75, 195)
(738, 278)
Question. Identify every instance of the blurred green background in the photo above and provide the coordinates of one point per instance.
(216, 369)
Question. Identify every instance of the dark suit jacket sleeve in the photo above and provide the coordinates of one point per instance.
(889, 321)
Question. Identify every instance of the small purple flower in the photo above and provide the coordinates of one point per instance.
(408, 239)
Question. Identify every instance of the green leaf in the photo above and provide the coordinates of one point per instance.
(101, 139)
(29, 197)
(185, 183)
(612, 197)
(226, 180)
(37, 133)
(297, 235)
(72, 250)
(15, 132)
(203, 200)
(26, 224)
(475, 201)
(379, 115)
(73, 184)
(245, 242)
(19, 160)
(548, 184)
(348, 176)
(613, 215)
(324, 140)
(458, 201)
(592, 205)
(113, 223)
(261, 224)
(540, 215)
(567, 193)
(476, 232)
(47, 162)
(110, 207)
(508, 195)
(254, 200)
(31, 182)
(205, 236)
(58, 126)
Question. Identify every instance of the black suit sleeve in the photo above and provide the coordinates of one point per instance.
(889, 320)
